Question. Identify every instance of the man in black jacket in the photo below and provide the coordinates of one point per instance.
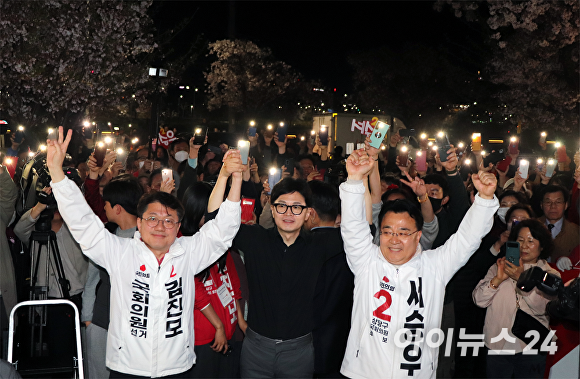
(334, 290)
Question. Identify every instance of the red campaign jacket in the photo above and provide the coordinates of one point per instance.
(204, 330)
(94, 198)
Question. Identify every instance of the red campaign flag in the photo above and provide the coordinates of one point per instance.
(3, 122)
(166, 139)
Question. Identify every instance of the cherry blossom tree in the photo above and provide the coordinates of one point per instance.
(250, 80)
(535, 59)
(60, 57)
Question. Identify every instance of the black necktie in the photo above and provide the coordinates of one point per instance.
(550, 227)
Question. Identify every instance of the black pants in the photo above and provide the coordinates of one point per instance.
(120, 375)
(518, 365)
(263, 357)
(210, 364)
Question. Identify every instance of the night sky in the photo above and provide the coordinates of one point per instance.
(317, 37)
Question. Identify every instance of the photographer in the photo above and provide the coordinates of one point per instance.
(75, 264)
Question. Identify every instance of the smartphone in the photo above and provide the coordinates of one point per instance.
(19, 135)
(323, 135)
(166, 173)
(312, 137)
(244, 147)
(550, 168)
(52, 134)
(514, 145)
(199, 136)
(379, 133)
(349, 148)
(100, 151)
(273, 178)
(442, 145)
(524, 167)
(421, 160)
(512, 252)
(247, 210)
(403, 156)
(406, 132)
(476, 142)
(282, 132)
(561, 154)
(289, 163)
(121, 154)
(252, 131)
(540, 164)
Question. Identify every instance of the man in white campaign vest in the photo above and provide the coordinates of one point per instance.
(399, 288)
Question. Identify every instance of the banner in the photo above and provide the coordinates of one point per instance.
(166, 139)
(365, 127)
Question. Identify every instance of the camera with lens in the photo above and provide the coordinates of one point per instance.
(568, 302)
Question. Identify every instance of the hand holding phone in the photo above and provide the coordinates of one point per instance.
(550, 167)
(378, 134)
(403, 156)
(476, 142)
(166, 174)
(513, 148)
(199, 136)
(100, 152)
(524, 166)
(323, 135)
(443, 145)
(273, 178)
(244, 148)
(282, 129)
(421, 160)
(512, 252)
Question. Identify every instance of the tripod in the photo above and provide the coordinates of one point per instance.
(38, 240)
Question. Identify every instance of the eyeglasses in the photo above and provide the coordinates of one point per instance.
(153, 221)
(295, 209)
(400, 235)
(549, 203)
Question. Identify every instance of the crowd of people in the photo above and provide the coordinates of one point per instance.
(187, 262)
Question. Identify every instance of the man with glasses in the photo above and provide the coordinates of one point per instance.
(282, 264)
(152, 275)
(565, 233)
(399, 288)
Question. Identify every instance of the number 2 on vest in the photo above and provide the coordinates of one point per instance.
(386, 305)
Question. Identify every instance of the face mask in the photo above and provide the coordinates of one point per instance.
(435, 203)
(141, 163)
(501, 212)
(180, 156)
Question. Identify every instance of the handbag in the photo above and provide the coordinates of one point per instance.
(524, 322)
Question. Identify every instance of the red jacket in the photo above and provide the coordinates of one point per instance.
(94, 198)
(204, 330)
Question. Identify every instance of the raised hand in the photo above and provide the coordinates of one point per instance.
(167, 186)
(232, 164)
(372, 151)
(358, 165)
(451, 163)
(514, 271)
(417, 185)
(501, 274)
(56, 153)
(485, 183)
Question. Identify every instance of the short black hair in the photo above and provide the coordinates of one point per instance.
(438, 180)
(165, 199)
(153, 174)
(177, 142)
(291, 185)
(124, 191)
(394, 191)
(555, 188)
(523, 199)
(401, 206)
(306, 156)
(539, 232)
(391, 179)
(325, 200)
(521, 206)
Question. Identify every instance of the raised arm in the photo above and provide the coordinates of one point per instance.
(450, 257)
(358, 243)
(86, 227)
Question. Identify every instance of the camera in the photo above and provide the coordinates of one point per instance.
(567, 304)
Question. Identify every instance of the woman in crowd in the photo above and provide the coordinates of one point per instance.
(214, 329)
(498, 293)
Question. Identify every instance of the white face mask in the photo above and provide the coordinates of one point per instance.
(180, 156)
(501, 212)
(141, 163)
